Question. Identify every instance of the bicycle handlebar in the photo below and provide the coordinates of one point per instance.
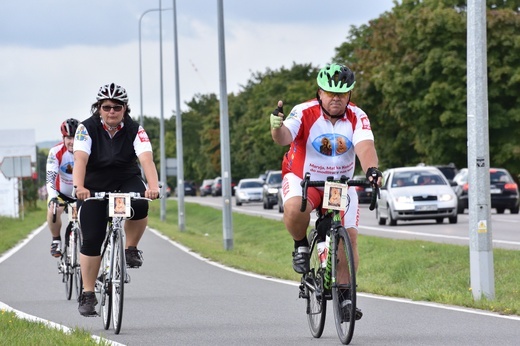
(67, 200)
(306, 183)
(104, 195)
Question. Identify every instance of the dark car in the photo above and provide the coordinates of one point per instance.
(189, 189)
(364, 192)
(503, 190)
(216, 187)
(273, 181)
(205, 187)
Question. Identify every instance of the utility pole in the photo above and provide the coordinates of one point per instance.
(479, 200)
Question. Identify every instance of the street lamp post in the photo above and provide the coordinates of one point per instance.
(162, 150)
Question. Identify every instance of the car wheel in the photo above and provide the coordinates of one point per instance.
(280, 207)
(391, 220)
(237, 202)
(515, 210)
(500, 210)
(453, 219)
(460, 208)
(269, 205)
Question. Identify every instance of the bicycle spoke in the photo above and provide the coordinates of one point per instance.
(344, 290)
(314, 291)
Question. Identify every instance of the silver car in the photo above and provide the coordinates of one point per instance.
(248, 190)
(416, 193)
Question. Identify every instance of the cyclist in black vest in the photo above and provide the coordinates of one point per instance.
(107, 147)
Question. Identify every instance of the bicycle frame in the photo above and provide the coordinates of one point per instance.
(321, 283)
(112, 272)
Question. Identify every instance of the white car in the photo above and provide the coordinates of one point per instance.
(416, 193)
(248, 190)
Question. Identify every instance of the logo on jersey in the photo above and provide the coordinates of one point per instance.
(81, 133)
(66, 167)
(143, 137)
(331, 144)
(366, 123)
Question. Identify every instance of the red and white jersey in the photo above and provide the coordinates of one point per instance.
(60, 163)
(141, 141)
(321, 148)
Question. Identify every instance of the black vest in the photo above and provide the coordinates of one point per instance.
(112, 160)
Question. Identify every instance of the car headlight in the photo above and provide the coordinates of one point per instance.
(272, 190)
(404, 199)
(242, 195)
(445, 197)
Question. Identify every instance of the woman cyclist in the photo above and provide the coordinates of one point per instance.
(106, 149)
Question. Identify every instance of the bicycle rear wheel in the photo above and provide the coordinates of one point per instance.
(103, 281)
(118, 283)
(344, 292)
(314, 290)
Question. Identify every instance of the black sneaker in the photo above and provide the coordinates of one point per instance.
(56, 248)
(346, 306)
(87, 304)
(134, 258)
(300, 260)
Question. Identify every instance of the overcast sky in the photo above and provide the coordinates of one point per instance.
(55, 54)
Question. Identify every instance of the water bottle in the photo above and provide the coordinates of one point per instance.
(323, 251)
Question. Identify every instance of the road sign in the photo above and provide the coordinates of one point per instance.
(16, 166)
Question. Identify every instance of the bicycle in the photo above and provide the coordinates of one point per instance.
(330, 245)
(68, 264)
(112, 275)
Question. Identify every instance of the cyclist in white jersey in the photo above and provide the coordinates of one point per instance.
(326, 134)
(60, 162)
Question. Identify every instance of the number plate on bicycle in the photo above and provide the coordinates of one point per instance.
(73, 212)
(335, 196)
(119, 205)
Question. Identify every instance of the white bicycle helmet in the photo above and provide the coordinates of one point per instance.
(112, 92)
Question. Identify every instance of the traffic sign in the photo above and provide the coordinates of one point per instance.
(16, 166)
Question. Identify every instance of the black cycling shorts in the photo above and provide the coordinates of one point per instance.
(93, 215)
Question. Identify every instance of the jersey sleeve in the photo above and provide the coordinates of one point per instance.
(52, 168)
(142, 142)
(82, 140)
(362, 130)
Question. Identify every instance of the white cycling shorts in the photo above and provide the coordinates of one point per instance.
(291, 187)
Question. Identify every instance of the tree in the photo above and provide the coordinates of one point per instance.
(411, 71)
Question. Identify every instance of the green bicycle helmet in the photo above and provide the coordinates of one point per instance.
(336, 78)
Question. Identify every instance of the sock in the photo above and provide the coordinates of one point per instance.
(57, 238)
(302, 242)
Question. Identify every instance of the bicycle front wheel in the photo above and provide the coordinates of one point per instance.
(103, 284)
(67, 271)
(344, 286)
(314, 290)
(118, 283)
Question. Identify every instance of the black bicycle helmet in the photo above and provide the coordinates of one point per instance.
(112, 91)
(68, 127)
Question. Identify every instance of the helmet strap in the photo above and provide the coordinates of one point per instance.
(333, 116)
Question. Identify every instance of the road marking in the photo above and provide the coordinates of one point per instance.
(296, 284)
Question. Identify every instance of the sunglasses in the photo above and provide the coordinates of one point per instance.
(332, 94)
(117, 108)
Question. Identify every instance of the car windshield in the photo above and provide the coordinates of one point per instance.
(414, 178)
(499, 177)
(275, 179)
(251, 184)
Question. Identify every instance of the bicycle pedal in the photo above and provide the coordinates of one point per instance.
(127, 278)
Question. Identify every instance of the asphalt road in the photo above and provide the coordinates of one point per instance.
(177, 298)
